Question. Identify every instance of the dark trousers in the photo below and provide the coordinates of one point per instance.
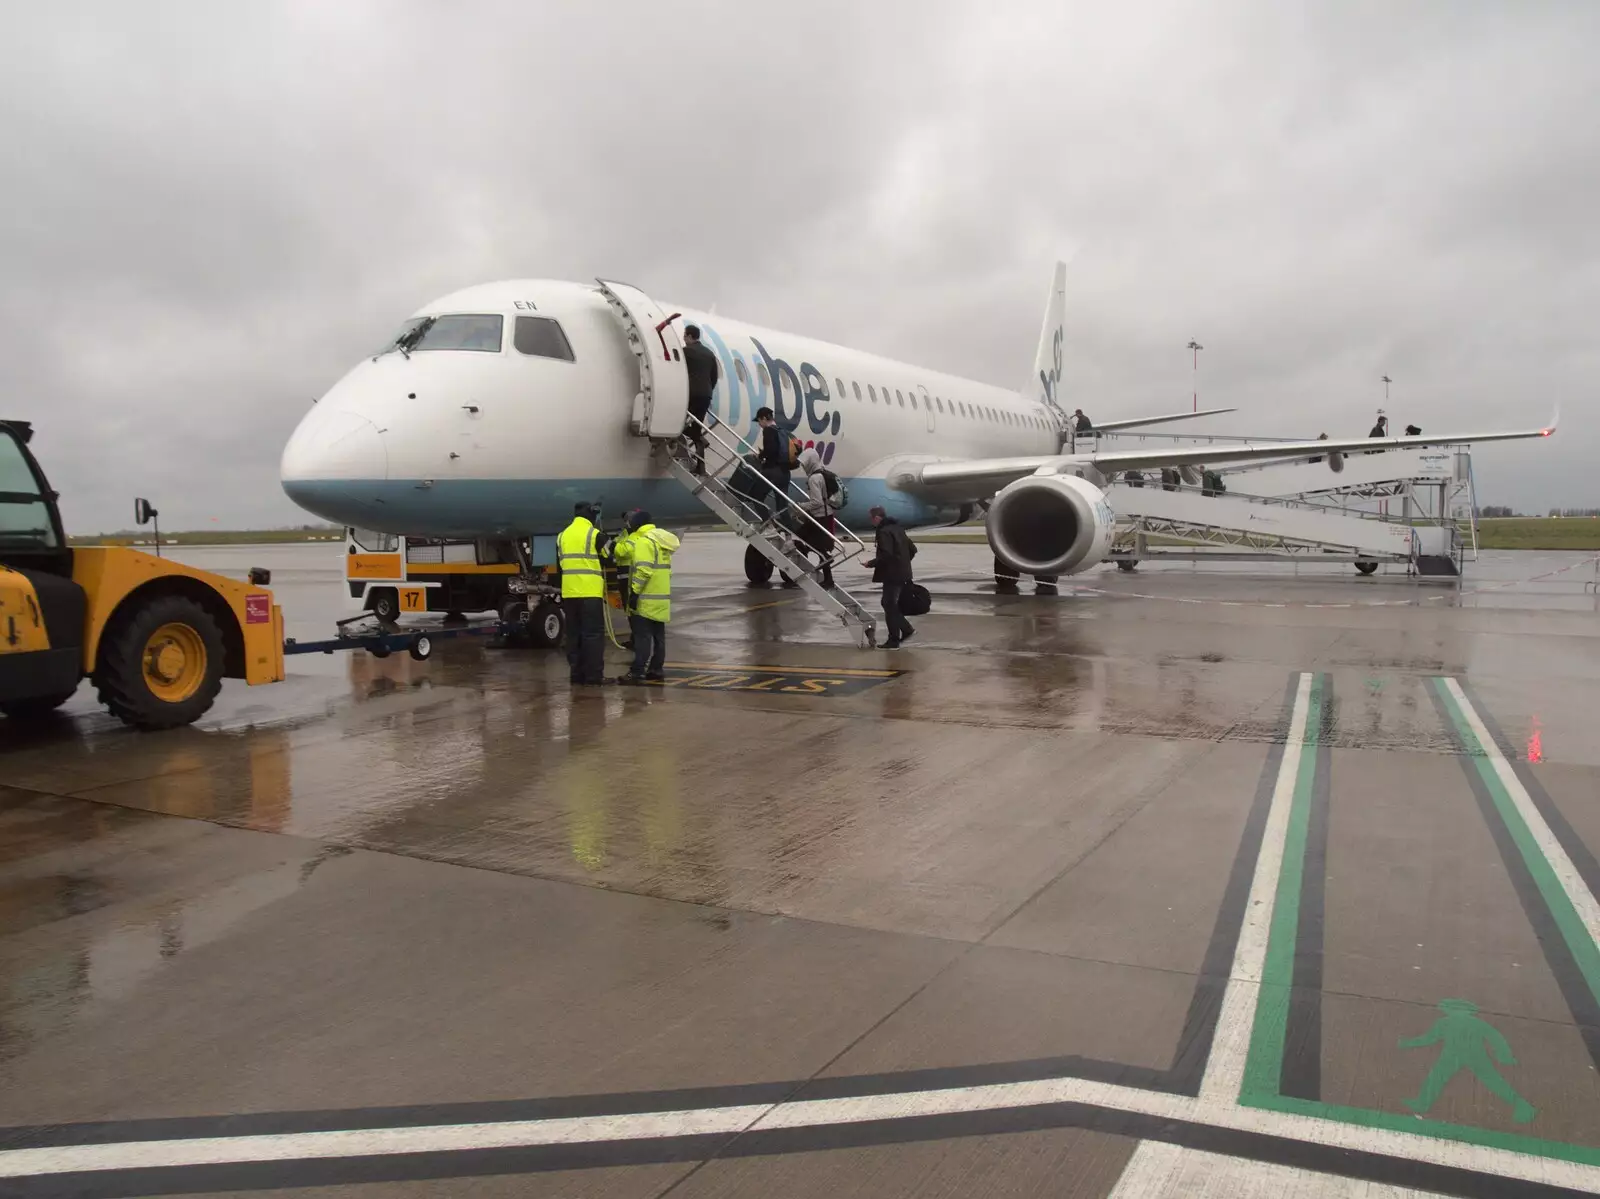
(586, 647)
(699, 408)
(779, 478)
(899, 626)
(649, 645)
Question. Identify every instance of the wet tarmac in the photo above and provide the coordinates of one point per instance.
(1152, 887)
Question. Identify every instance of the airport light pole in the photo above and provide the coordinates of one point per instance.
(1386, 382)
(1196, 347)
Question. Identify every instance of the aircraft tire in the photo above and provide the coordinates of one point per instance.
(756, 567)
(1126, 565)
(1366, 568)
(547, 626)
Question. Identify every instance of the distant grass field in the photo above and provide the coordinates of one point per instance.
(213, 537)
(1539, 533)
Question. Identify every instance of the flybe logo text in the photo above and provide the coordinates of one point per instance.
(1050, 380)
(799, 397)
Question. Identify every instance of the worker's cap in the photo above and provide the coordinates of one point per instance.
(763, 413)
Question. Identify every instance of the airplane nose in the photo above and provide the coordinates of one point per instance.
(334, 445)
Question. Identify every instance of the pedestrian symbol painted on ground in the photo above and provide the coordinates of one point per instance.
(1468, 1044)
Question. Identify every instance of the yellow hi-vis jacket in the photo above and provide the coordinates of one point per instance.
(651, 582)
(579, 559)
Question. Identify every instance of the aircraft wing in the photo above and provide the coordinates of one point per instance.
(1138, 422)
(979, 478)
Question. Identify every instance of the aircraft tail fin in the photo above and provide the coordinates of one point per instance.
(1044, 384)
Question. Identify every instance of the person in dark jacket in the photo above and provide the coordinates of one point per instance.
(891, 566)
(774, 458)
(704, 372)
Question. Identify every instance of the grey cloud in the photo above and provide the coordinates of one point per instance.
(216, 209)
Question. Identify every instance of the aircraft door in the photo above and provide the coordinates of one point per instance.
(662, 402)
(927, 406)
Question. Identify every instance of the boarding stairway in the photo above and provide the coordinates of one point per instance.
(661, 413)
(1256, 525)
(777, 537)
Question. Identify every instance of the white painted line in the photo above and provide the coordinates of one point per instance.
(1230, 1045)
(369, 1142)
(287, 1147)
(1582, 899)
(1158, 1170)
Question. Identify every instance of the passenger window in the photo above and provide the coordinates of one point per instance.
(761, 369)
(838, 387)
(856, 387)
(899, 397)
(872, 392)
(738, 369)
(913, 396)
(540, 337)
(939, 403)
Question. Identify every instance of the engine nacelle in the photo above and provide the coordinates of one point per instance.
(1050, 525)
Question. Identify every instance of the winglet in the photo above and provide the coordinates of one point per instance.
(1555, 419)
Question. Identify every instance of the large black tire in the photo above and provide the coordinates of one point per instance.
(1366, 568)
(35, 707)
(547, 626)
(384, 603)
(1126, 565)
(756, 566)
(134, 676)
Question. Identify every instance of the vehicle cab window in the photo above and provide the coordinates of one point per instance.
(541, 337)
(26, 522)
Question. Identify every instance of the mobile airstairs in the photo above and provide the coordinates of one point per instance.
(1391, 506)
(769, 520)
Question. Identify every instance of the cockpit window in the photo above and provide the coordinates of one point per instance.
(25, 521)
(466, 332)
(541, 337)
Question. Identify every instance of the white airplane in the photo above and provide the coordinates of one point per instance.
(498, 407)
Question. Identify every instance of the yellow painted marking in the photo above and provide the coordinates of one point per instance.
(828, 670)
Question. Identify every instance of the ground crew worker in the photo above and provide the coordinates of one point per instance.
(583, 597)
(651, 604)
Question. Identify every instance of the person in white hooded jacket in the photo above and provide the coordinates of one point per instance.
(819, 507)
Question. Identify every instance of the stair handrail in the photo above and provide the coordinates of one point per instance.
(839, 533)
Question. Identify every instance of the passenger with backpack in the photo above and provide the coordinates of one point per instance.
(824, 497)
(779, 456)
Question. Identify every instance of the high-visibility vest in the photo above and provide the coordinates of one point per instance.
(578, 555)
(652, 572)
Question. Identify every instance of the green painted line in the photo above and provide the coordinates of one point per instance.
(1437, 1129)
(1573, 932)
(1264, 1064)
(1263, 1069)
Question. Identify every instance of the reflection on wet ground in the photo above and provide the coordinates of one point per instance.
(388, 882)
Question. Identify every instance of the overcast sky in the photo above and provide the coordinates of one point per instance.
(214, 209)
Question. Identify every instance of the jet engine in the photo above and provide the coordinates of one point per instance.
(1050, 525)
